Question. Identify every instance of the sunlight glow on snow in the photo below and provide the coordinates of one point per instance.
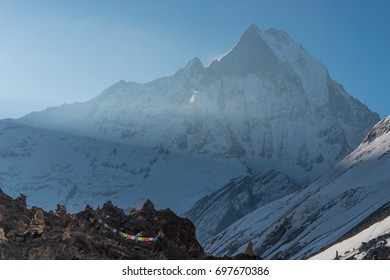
(194, 97)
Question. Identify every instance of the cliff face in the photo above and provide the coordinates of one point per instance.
(106, 233)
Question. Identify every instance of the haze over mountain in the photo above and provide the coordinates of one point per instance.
(267, 104)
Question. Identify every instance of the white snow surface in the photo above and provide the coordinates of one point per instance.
(52, 167)
(349, 247)
(311, 72)
(297, 226)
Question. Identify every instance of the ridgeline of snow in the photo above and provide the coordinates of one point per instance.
(299, 225)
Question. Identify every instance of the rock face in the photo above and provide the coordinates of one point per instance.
(32, 233)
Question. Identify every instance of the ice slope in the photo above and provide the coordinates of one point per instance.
(266, 103)
(299, 225)
(55, 167)
(215, 212)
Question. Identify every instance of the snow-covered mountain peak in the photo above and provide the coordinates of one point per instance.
(250, 55)
(193, 68)
(250, 34)
(195, 63)
(267, 104)
(252, 28)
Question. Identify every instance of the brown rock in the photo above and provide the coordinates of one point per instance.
(21, 228)
(249, 249)
(21, 201)
(35, 234)
(2, 234)
(66, 235)
(37, 223)
(61, 210)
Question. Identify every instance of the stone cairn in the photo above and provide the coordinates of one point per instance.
(37, 223)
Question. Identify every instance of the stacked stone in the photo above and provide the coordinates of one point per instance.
(37, 224)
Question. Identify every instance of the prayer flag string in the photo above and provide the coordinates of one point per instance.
(124, 234)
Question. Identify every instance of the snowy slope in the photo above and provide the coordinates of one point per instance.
(217, 211)
(266, 103)
(298, 225)
(359, 245)
(54, 167)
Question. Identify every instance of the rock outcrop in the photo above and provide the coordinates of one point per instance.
(32, 233)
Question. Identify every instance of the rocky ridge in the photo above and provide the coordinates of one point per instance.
(32, 233)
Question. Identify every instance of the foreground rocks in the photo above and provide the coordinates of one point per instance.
(32, 233)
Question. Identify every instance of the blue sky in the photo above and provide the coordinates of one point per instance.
(54, 52)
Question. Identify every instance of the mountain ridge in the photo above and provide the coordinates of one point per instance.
(195, 130)
(97, 234)
(300, 225)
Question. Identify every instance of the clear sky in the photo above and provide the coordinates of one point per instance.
(54, 52)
